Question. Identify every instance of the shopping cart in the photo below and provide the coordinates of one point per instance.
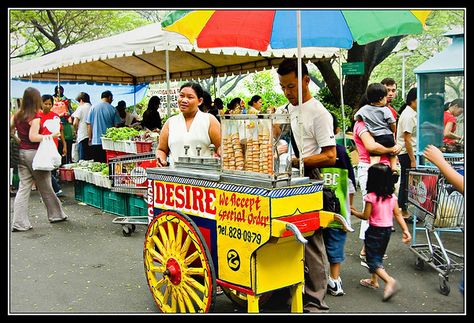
(128, 175)
(440, 208)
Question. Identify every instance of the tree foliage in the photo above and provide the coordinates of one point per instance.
(39, 32)
(381, 61)
(262, 83)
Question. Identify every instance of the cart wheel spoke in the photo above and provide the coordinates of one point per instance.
(179, 269)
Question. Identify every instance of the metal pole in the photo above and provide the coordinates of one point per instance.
(342, 100)
(168, 97)
(403, 75)
(300, 89)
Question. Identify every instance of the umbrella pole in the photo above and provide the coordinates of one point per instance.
(168, 99)
(342, 100)
(300, 89)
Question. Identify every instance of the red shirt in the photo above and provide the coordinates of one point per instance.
(394, 112)
(49, 124)
(448, 117)
(23, 130)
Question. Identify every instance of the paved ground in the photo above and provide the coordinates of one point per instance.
(85, 265)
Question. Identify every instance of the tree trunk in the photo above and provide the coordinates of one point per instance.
(354, 86)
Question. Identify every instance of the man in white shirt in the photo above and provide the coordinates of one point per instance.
(80, 125)
(317, 145)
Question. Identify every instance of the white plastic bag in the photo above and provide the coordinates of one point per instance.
(47, 156)
(75, 152)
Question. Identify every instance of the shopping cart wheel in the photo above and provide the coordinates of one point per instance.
(127, 230)
(443, 285)
(178, 265)
(419, 263)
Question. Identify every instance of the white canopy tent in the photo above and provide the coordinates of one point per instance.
(139, 56)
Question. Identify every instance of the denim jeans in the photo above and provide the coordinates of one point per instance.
(376, 242)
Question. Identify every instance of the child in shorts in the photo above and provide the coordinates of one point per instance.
(380, 207)
(341, 179)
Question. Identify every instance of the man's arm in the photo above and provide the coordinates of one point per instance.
(409, 148)
(326, 158)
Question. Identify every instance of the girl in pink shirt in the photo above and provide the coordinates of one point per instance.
(380, 207)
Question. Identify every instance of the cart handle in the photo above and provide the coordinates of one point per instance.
(296, 232)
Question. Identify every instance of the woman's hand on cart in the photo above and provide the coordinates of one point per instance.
(161, 163)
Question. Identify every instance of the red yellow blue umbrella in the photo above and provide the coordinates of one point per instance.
(265, 29)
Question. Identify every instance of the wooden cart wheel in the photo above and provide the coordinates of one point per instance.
(178, 265)
(240, 299)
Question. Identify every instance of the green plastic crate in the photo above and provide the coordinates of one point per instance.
(137, 206)
(79, 190)
(115, 203)
(93, 195)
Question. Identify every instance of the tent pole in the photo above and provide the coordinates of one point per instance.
(342, 100)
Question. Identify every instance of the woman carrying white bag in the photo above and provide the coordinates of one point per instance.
(26, 121)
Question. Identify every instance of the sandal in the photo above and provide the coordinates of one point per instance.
(390, 292)
(367, 282)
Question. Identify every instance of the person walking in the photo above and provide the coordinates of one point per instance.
(80, 125)
(366, 146)
(48, 122)
(62, 107)
(380, 207)
(341, 179)
(317, 146)
(101, 117)
(406, 139)
(26, 121)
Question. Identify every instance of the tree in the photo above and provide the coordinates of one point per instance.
(376, 53)
(261, 83)
(39, 32)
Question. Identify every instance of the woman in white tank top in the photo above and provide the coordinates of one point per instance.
(190, 127)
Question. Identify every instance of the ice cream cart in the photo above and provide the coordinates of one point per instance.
(239, 220)
(437, 204)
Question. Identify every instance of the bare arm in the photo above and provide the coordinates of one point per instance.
(75, 123)
(89, 133)
(409, 148)
(448, 131)
(363, 215)
(435, 155)
(163, 150)
(63, 140)
(406, 236)
(326, 158)
(34, 134)
(375, 148)
(215, 132)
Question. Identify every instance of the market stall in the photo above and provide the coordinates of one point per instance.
(238, 220)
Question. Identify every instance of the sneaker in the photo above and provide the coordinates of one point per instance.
(337, 289)
(59, 193)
